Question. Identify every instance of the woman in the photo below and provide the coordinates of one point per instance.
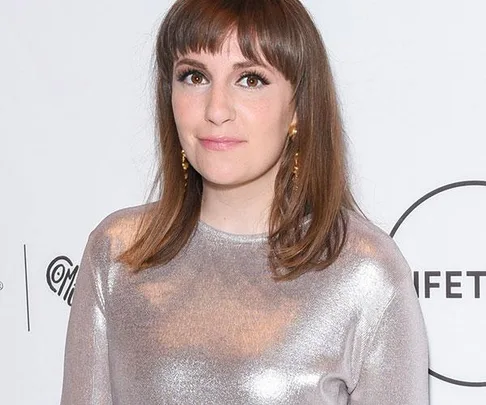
(252, 279)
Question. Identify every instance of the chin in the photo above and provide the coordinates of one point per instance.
(231, 177)
(221, 182)
(226, 176)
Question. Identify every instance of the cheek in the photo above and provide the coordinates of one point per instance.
(185, 114)
(180, 107)
(271, 121)
(273, 111)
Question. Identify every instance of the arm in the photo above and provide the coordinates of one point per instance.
(395, 367)
(86, 372)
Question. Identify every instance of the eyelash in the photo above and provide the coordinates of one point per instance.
(253, 73)
(181, 76)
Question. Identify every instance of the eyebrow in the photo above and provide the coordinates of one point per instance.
(240, 65)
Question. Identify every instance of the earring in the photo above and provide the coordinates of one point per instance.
(295, 170)
(185, 166)
(292, 131)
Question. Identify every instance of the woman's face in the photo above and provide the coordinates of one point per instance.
(232, 116)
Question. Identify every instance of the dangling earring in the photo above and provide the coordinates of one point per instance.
(295, 169)
(185, 166)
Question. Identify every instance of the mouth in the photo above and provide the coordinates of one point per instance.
(220, 144)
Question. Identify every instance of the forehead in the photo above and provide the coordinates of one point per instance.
(229, 48)
(230, 52)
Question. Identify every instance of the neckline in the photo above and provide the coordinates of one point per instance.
(230, 237)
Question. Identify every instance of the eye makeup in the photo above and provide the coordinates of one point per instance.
(183, 74)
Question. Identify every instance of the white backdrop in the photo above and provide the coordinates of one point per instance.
(76, 144)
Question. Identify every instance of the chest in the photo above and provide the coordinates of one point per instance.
(228, 335)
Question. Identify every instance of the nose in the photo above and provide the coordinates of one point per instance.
(219, 105)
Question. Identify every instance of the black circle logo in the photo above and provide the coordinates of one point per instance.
(452, 293)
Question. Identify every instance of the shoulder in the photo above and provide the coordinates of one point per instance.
(372, 256)
(117, 230)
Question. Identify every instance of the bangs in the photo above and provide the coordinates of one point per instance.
(265, 31)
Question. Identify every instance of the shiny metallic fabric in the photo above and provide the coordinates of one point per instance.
(213, 328)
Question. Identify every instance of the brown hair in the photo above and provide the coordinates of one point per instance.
(283, 33)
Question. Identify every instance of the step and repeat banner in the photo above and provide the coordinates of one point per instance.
(76, 143)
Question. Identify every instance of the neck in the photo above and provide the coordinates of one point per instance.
(240, 210)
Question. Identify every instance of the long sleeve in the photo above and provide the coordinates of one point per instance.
(395, 367)
(211, 327)
(86, 372)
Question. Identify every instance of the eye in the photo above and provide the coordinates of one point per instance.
(192, 77)
(253, 80)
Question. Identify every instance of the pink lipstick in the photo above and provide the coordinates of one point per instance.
(220, 144)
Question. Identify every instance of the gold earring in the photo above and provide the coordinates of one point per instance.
(292, 131)
(295, 170)
(185, 166)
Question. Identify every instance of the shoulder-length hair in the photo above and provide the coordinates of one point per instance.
(283, 33)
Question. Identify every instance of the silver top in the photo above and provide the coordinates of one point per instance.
(212, 327)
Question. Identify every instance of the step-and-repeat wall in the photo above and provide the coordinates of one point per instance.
(76, 144)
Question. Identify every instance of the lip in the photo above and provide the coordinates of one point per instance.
(220, 144)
